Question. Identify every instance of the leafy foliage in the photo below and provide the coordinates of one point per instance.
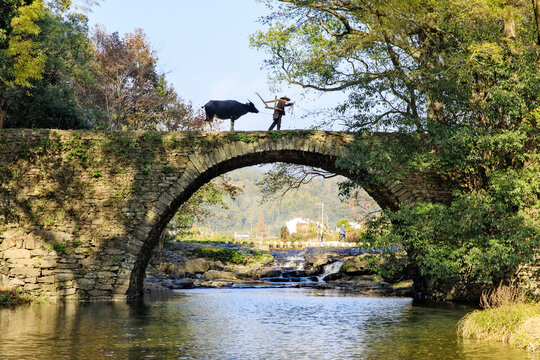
(57, 99)
(231, 256)
(473, 239)
(130, 92)
(20, 59)
(202, 204)
(458, 81)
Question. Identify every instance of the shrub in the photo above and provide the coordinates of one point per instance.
(284, 233)
(231, 256)
(502, 295)
(507, 317)
(226, 256)
(10, 298)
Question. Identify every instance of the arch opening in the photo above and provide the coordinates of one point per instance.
(383, 196)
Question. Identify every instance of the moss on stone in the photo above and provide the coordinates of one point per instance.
(11, 298)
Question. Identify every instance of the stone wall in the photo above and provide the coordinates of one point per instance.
(528, 278)
(81, 211)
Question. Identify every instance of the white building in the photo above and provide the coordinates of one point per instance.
(292, 224)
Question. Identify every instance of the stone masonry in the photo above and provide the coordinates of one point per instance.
(81, 211)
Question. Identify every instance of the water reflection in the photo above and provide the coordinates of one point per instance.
(242, 324)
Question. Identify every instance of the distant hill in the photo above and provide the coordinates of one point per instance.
(243, 212)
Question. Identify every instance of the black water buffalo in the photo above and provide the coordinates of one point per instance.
(226, 109)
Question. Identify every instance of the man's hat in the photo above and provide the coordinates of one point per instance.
(285, 98)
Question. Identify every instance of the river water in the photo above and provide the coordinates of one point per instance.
(257, 323)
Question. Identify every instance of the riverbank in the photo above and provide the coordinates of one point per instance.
(508, 316)
(182, 265)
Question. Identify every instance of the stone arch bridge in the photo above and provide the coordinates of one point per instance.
(81, 211)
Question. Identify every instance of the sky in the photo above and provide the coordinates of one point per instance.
(203, 47)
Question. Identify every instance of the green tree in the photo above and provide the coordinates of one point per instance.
(345, 223)
(58, 99)
(131, 93)
(458, 81)
(283, 178)
(205, 202)
(284, 233)
(261, 230)
(20, 59)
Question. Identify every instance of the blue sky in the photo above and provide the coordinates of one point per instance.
(203, 47)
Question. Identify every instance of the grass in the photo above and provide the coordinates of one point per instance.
(507, 317)
(230, 256)
(10, 298)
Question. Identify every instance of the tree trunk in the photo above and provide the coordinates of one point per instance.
(2, 113)
(510, 22)
(536, 8)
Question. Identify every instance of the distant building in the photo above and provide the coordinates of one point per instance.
(241, 235)
(297, 225)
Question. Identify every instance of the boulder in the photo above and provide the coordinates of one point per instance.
(197, 266)
(191, 266)
(318, 260)
(358, 265)
(216, 284)
(218, 275)
(270, 273)
(249, 270)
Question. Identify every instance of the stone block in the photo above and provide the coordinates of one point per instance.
(30, 244)
(98, 293)
(66, 292)
(21, 262)
(4, 281)
(121, 290)
(25, 272)
(86, 284)
(54, 235)
(218, 275)
(38, 252)
(64, 276)
(31, 287)
(165, 198)
(105, 275)
(17, 254)
(46, 280)
(15, 282)
(6, 244)
(48, 288)
(9, 234)
(68, 266)
(105, 287)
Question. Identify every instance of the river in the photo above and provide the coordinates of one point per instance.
(256, 323)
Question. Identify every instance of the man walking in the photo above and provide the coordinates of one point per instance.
(279, 111)
(342, 233)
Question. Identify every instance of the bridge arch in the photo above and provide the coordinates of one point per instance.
(321, 151)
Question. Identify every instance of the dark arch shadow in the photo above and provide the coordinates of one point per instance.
(381, 194)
